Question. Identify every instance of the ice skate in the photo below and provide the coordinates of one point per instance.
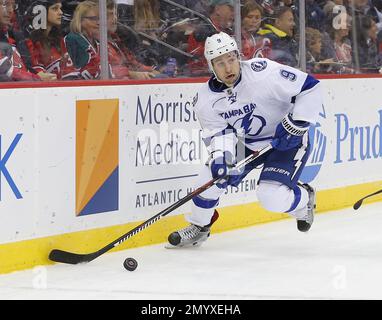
(304, 223)
(190, 236)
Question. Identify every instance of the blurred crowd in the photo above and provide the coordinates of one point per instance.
(45, 40)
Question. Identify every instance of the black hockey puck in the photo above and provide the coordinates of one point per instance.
(130, 264)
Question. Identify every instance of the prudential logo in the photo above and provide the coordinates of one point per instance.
(318, 142)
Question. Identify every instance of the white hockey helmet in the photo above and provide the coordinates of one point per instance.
(217, 45)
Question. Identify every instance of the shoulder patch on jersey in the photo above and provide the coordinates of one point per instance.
(258, 65)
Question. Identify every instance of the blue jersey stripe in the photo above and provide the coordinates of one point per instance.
(309, 83)
(205, 203)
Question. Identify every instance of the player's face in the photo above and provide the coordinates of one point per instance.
(227, 68)
(252, 21)
(55, 14)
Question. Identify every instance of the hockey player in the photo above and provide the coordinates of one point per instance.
(245, 106)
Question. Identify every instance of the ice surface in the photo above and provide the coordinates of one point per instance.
(339, 258)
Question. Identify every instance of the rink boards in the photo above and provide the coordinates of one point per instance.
(80, 166)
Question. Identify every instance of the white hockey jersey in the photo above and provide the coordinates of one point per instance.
(265, 92)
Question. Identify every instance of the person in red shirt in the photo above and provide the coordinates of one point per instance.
(18, 70)
(49, 55)
(122, 62)
(221, 19)
(253, 45)
(82, 41)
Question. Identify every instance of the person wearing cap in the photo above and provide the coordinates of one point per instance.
(221, 17)
(244, 107)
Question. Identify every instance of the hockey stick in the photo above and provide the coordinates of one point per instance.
(359, 202)
(75, 258)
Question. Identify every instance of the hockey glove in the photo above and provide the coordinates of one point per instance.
(289, 133)
(221, 164)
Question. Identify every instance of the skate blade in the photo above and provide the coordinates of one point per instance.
(195, 245)
(170, 246)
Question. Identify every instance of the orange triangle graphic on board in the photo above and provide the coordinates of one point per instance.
(97, 148)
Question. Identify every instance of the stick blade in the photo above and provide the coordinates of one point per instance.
(357, 204)
(69, 257)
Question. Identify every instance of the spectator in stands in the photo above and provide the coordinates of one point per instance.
(251, 16)
(329, 6)
(148, 26)
(342, 45)
(251, 19)
(221, 19)
(82, 43)
(7, 8)
(8, 36)
(369, 58)
(222, 15)
(281, 37)
(47, 47)
(335, 12)
(123, 64)
(313, 49)
(314, 62)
